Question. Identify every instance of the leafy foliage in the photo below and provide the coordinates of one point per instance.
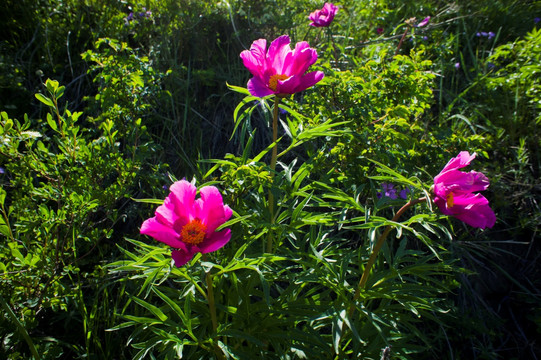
(150, 91)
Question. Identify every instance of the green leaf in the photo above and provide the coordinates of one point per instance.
(149, 201)
(44, 99)
(172, 304)
(51, 122)
(8, 125)
(52, 86)
(153, 309)
(60, 92)
(238, 89)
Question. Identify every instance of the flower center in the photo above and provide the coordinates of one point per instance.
(450, 200)
(273, 81)
(193, 233)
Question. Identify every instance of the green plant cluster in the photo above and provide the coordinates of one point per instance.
(119, 99)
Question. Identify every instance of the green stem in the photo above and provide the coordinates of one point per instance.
(273, 168)
(335, 51)
(374, 255)
(307, 32)
(210, 299)
(212, 309)
(375, 252)
(21, 328)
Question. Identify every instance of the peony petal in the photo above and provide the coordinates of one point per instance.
(455, 193)
(312, 78)
(181, 257)
(480, 216)
(289, 86)
(216, 241)
(256, 87)
(468, 200)
(166, 214)
(182, 196)
(301, 59)
(459, 181)
(254, 59)
(278, 51)
(227, 212)
(323, 17)
(473, 209)
(462, 160)
(162, 233)
(299, 83)
(213, 211)
(442, 205)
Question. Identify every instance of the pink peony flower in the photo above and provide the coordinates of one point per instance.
(189, 225)
(454, 193)
(323, 17)
(279, 70)
(424, 22)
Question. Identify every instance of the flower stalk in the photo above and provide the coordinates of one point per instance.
(212, 307)
(375, 252)
(377, 248)
(274, 157)
(210, 299)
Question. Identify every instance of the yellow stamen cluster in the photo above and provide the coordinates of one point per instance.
(273, 81)
(193, 233)
(450, 200)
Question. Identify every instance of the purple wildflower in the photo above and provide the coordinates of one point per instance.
(388, 191)
(404, 193)
(536, 20)
(424, 22)
(490, 35)
(457, 65)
